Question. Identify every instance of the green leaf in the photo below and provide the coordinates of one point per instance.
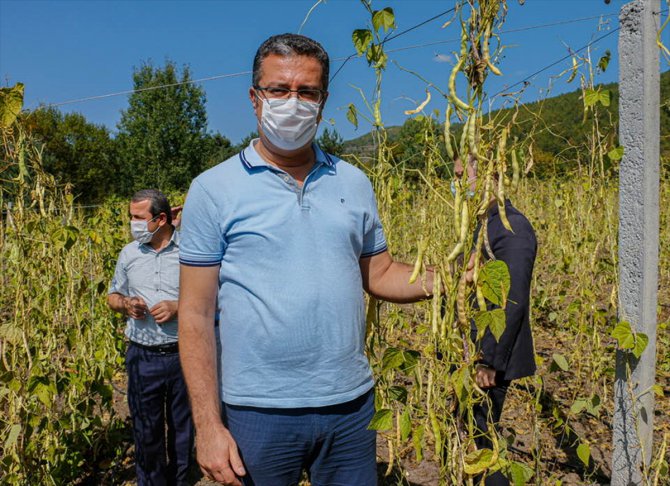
(495, 320)
(352, 115)
(624, 335)
(591, 97)
(376, 56)
(392, 359)
(641, 341)
(605, 61)
(383, 19)
(593, 406)
(578, 406)
(417, 440)
(519, 473)
(616, 153)
(11, 102)
(405, 424)
(560, 361)
(584, 453)
(461, 382)
(398, 393)
(361, 39)
(382, 420)
(12, 436)
(605, 97)
(495, 281)
(478, 461)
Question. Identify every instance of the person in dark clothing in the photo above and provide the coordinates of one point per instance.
(512, 356)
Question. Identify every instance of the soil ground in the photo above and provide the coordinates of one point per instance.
(558, 451)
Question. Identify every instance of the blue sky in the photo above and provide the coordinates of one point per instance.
(64, 50)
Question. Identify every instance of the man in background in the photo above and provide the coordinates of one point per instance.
(512, 356)
(145, 288)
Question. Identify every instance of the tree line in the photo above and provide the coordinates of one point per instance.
(559, 129)
(161, 140)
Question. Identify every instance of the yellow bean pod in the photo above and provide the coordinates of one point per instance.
(418, 264)
(447, 133)
(500, 197)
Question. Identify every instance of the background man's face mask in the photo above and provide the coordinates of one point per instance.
(289, 123)
(140, 230)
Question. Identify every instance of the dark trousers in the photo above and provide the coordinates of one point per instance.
(485, 413)
(157, 398)
(332, 443)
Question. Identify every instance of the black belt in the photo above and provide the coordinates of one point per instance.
(160, 348)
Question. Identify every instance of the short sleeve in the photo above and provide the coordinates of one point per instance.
(374, 240)
(202, 242)
(119, 283)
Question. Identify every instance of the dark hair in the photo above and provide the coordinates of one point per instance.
(159, 202)
(292, 45)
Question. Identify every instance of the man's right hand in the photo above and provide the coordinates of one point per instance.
(135, 307)
(218, 457)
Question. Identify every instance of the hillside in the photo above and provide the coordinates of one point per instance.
(556, 124)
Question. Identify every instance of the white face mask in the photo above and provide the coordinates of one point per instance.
(289, 124)
(140, 231)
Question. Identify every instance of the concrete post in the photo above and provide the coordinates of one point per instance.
(639, 132)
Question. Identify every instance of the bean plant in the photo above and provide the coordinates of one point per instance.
(59, 350)
(423, 357)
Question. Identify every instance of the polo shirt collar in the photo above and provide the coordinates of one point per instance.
(174, 240)
(250, 158)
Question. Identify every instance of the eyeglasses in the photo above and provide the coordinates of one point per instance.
(304, 94)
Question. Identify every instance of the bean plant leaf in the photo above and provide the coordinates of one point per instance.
(592, 96)
(616, 153)
(478, 461)
(495, 281)
(14, 432)
(361, 39)
(560, 361)
(352, 115)
(405, 425)
(11, 102)
(578, 406)
(383, 19)
(624, 335)
(605, 97)
(494, 320)
(584, 453)
(398, 393)
(417, 441)
(519, 473)
(382, 420)
(605, 61)
(641, 341)
(392, 359)
(376, 56)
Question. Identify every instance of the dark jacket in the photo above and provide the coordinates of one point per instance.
(513, 356)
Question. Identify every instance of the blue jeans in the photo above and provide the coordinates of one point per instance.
(333, 444)
(157, 397)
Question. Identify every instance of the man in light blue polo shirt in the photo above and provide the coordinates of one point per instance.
(286, 237)
(145, 288)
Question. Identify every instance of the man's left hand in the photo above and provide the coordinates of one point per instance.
(164, 311)
(485, 377)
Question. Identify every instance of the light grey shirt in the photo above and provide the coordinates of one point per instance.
(153, 275)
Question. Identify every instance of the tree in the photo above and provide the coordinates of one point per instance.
(76, 152)
(219, 148)
(162, 137)
(331, 142)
